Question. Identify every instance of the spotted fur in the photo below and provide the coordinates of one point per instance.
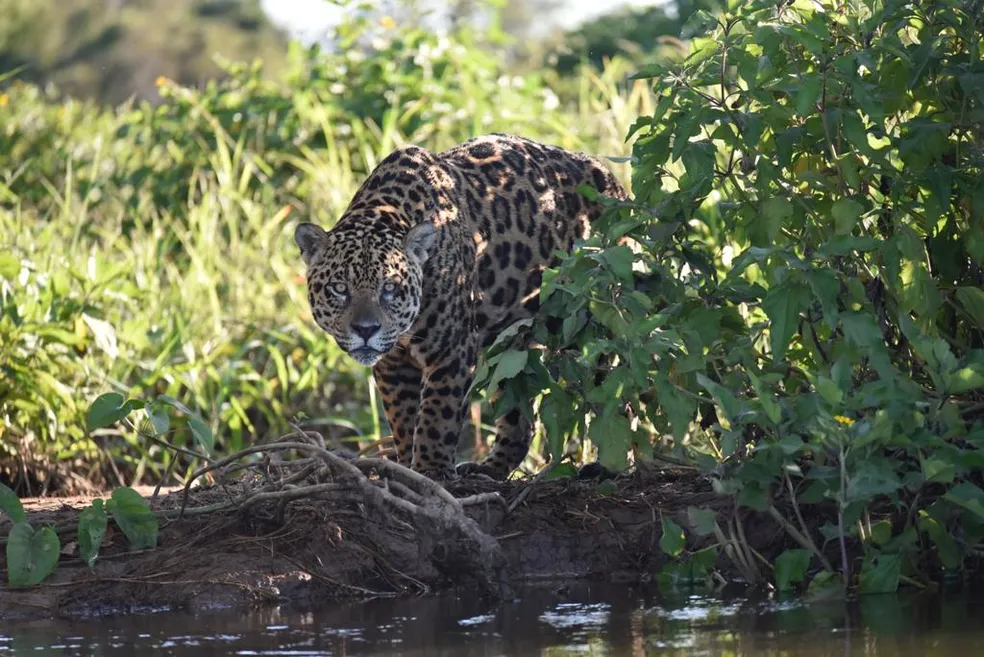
(434, 256)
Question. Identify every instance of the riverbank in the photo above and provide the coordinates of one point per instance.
(366, 528)
(333, 549)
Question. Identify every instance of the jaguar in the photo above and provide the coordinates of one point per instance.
(436, 254)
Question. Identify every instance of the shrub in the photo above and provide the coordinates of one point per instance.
(802, 317)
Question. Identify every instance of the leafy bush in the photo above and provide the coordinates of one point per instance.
(804, 314)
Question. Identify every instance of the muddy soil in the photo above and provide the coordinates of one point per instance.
(330, 548)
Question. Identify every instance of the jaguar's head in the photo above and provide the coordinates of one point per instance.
(365, 286)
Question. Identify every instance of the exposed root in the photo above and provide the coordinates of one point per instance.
(397, 497)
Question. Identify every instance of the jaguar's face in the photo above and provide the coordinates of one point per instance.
(365, 289)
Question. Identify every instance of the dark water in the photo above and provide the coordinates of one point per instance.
(578, 620)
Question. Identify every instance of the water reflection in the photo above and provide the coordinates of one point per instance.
(584, 619)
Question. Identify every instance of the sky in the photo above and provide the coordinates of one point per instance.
(308, 19)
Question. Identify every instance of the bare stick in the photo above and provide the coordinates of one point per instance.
(804, 541)
(812, 546)
(484, 498)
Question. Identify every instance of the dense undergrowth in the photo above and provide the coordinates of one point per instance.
(802, 320)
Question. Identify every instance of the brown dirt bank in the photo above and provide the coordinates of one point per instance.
(333, 547)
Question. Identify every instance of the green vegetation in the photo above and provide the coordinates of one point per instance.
(799, 311)
(32, 554)
(147, 249)
(803, 318)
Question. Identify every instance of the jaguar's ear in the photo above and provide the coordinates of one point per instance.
(309, 238)
(420, 241)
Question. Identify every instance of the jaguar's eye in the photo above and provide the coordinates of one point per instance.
(339, 289)
(389, 288)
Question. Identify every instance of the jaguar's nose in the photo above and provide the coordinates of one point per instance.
(365, 328)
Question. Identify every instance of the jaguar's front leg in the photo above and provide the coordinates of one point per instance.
(398, 380)
(443, 404)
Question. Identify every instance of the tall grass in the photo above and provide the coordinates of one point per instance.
(147, 249)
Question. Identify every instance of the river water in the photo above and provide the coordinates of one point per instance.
(579, 619)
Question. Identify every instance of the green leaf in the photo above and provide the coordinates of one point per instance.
(92, 530)
(755, 495)
(573, 324)
(881, 532)
(159, 418)
(972, 301)
(504, 337)
(731, 407)
(965, 379)
(133, 516)
(11, 504)
(698, 24)
(830, 391)
(31, 555)
(673, 539)
(842, 371)
(702, 521)
(562, 471)
(612, 388)
(202, 433)
(557, 416)
(968, 496)
(846, 213)
(826, 289)
(686, 127)
(873, 477)
(880, 573)
(108, 409)
(619, 259)
(809, 92)
(791, 568)
(860, 329)
(766, 398)
(481, 375)
(843, 245)
(10, 266)
(509, 365)
(679, 408)
(174, 403)
(849, 169)
(946, 547)
(753, 254)
(53, 334)
(611, 433)
(938, 470)
(824, 585)
(783, 305)
(776, 211)
(588, 192)
(698, 161)
(855, 132)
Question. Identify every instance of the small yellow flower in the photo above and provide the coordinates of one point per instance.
(4, 99)
(387, 22)
(160, 81)
(846, 421)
